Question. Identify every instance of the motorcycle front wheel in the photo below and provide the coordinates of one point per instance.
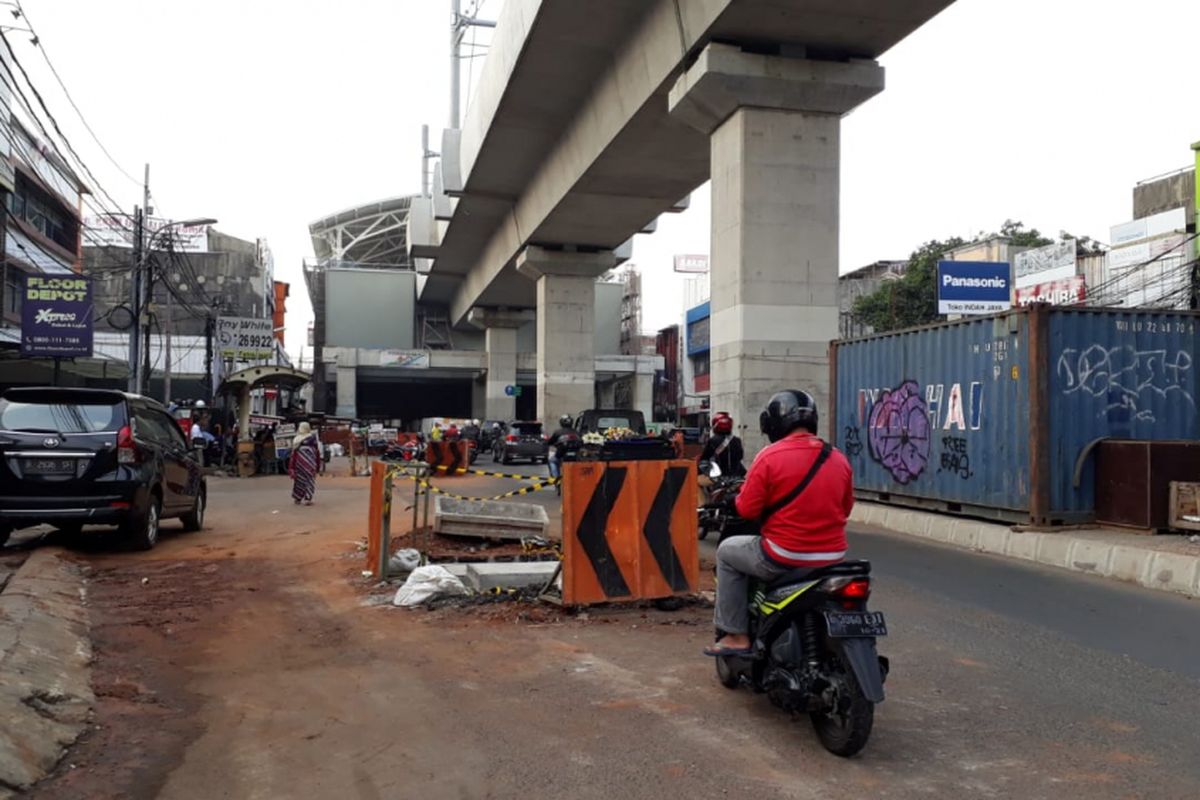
(844, 729)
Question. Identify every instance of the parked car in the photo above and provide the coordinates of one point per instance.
(75, 457)
(522, 440)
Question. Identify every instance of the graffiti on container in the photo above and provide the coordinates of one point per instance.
(1127, 380)
(960, 415)
(898, 434)
(955, 458)
(853, 442)
(962, 412)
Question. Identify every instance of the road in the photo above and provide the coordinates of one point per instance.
(246, 661)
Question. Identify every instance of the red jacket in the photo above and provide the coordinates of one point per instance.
(811, 530)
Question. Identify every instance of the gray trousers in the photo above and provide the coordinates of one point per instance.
(738, 559)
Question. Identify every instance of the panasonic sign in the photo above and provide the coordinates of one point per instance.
(974, 287)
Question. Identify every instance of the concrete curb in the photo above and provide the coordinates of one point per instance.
(45, 674)
(1153, 569)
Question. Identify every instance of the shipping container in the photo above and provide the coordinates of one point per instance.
(999, 416)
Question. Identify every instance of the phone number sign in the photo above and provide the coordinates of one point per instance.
(245, 339)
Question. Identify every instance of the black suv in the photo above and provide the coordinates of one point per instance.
(75, 457)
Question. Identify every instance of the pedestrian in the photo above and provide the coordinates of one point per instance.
(304, 463)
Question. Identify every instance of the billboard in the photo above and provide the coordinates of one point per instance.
(245, 339)
(56, 317)
(113, 230)
(404, 359)
(1171, 221)
(691, 263)
(973, 287)
(1043, 264)
(1063, 292)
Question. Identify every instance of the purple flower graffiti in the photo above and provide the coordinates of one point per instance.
(898, 433)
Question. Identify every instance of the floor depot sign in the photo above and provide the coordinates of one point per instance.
(56, 317)
(974, 287)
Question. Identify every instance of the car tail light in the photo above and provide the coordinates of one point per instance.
(512, 437)
(127, 449)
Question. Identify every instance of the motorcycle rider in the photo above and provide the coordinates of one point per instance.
(724, 448)
(799, 530)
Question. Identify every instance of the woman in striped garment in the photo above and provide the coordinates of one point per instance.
(304, 465)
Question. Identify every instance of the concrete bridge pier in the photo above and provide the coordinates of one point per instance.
(566, 300)
(500, 337)
(774, 123)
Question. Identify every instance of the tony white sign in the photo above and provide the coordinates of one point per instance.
(245, 339)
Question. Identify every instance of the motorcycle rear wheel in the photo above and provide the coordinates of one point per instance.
(845, 732)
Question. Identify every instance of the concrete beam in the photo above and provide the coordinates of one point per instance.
(725, 78)
(421, 229)
(538, 262)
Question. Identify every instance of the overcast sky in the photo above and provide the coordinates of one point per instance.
(268, 114)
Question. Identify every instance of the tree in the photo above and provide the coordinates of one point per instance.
(911, 300)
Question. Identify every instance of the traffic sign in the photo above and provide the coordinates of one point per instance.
(512, 391)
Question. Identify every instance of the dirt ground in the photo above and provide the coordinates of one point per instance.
(253, 660)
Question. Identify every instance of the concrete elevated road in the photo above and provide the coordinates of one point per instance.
(591, 119)
(241, 662)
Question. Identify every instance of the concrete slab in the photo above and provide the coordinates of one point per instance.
(993, 539)
(489, 519)
(1130, 564)
(45, 675)
(511, 575)
(1023, 545)
(1175, 573)
(1055, 550)
(1090, 557)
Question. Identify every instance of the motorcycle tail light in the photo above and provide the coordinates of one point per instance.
(845, 588)
(857, 589)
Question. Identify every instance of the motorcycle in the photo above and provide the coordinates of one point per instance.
(813, 647)
(408, 451)
(715, 511)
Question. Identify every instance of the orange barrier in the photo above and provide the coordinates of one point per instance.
(629, 530)
(447, 458)
(379, 472)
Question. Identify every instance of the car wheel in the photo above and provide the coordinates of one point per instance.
(194, 519)
(142, 530)
(506, 459)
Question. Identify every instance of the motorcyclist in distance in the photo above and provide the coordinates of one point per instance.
(723, 448)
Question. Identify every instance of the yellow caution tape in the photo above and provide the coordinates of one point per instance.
(515, 493)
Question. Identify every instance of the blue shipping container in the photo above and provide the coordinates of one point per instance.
(996, 416)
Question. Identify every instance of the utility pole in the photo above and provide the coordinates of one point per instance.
(138, 289)
(426, 156)
(167, 344)
(456, 36)
(458, 30)
(135, 304)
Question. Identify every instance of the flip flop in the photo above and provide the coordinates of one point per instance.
(719, 650)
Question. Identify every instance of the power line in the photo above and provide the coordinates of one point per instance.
(42, 48)
(54, 122)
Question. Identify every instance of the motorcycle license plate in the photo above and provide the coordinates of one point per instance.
(845, 624)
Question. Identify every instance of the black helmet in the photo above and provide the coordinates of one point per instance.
(565, 420)
(786, 411)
